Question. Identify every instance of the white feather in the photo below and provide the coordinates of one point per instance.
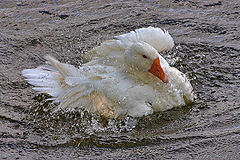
(116, 80)
(156, 37)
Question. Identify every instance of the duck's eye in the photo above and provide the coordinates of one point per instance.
(144, 56)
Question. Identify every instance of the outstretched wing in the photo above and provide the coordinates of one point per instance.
(69, 86)
(160, 39)
(54, 78)
(112, 50)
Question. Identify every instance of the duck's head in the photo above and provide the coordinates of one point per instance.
(141, 56)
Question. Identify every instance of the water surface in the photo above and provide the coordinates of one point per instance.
(207, 49)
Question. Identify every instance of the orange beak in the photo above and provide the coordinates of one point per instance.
(157, 71)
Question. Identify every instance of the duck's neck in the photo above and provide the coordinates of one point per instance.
(138, 75)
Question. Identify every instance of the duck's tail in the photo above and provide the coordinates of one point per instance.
(50, 78)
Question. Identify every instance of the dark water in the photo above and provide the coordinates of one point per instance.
(207, 49)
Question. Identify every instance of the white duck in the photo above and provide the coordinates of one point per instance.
(125, 76)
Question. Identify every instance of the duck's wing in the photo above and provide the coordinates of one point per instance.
(54, 78)
(108, 53)
(73, 88)
(160, 39)
(112, 51)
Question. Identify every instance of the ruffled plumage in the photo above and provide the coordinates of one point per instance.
(115, 80)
